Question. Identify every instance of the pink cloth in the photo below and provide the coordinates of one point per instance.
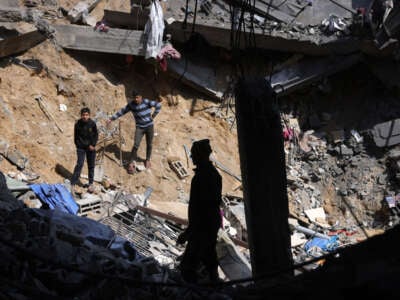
(287, 134)
(167, 52)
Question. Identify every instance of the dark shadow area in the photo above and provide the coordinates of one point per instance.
(7, 33)
(122, 69)
(62, 171)
(113, 152)
(361, 3)
(113, 67)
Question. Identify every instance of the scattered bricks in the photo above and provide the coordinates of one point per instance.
(179, 169)
(90, 204)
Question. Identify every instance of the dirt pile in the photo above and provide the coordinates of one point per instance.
(77, 80)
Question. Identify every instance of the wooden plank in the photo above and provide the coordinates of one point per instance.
(135, 20)
(114, 41)
(20, 43)
(165, 216)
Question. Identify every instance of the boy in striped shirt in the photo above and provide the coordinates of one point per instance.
(144, 111)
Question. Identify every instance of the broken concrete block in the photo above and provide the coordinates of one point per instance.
(393, 154)
(75, 14)
(387, 134)
(17, 158)
(345, 151)
(178, 168)
(88, 203)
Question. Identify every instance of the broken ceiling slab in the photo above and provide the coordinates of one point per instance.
(15, 28)
(279, 40)
(20, 43)
(201, 76)
(387, 134)
(136, 19)
(308, 71)
(271, 35)
(307, 12)
(118, 41)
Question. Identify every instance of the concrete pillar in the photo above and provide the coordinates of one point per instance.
(262, 162)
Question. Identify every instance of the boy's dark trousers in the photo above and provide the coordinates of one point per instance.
(90, 159)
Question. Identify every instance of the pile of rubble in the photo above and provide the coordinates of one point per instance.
(339, 174)
(50, 253)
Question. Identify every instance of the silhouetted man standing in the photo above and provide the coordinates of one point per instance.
(204, 216)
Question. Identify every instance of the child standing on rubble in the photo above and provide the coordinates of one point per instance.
(85, 138)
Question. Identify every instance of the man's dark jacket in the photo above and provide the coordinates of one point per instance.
(85, 134)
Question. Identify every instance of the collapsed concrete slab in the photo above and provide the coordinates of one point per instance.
(136, 19)
(308, 71)
(20, 43)
(200, 77)
(118, 41)
(301, 31)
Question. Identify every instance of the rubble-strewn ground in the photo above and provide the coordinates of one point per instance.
(327, 166)
(83, 79)
(348, 179)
